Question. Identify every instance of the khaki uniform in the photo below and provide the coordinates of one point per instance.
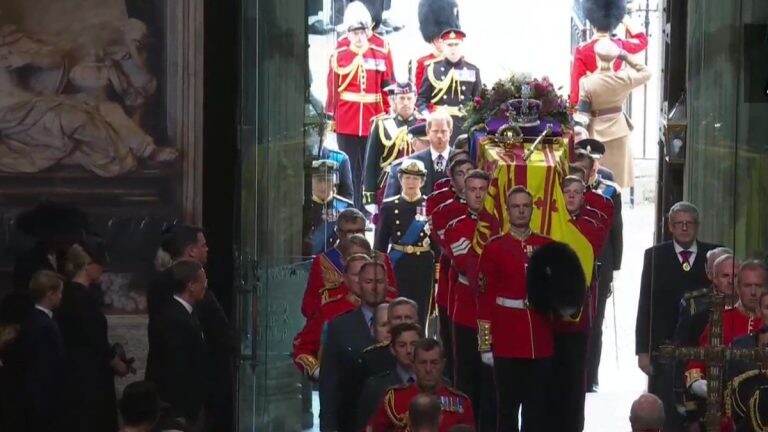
(604, 94)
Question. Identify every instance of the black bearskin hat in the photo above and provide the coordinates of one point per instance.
(605, 15)
(50, 219)
(555, 279)
(436, 16)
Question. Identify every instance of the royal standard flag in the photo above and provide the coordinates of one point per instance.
(541, 174)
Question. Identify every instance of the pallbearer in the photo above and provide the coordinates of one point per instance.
(358, 72)
(451, 82)
(403, 232)
(389, 140)
(471, 376)
(324, 208)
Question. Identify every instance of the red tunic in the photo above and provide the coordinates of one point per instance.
(736, 323)
(355, 84)
(602, 204)
(585, 61)
(326, 274)
(515, 331)
(440, 218)
(421, 68)
(392, 413)
(439, 195)
(306, 343)
(458, 238)
(380, 42)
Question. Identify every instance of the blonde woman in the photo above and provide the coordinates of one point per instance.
(91, 361)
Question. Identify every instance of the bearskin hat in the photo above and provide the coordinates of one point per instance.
(436, 16)
(604, 15)
(50, 219)
(555, 279)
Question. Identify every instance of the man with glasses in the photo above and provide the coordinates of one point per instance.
(670, 270)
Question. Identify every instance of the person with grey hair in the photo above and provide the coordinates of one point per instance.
(670, 270)
(647, 414)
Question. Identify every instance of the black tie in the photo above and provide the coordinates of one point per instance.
(439, 162)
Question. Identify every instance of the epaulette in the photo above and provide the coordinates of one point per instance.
(697, 293)
(341, 198)
(381, 116)
(390, 199)
(496, 237)
(384, 49)
(374, 346)
(456, 392)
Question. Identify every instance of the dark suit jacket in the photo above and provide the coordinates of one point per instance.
(346, 337)
(180, 360)
(393, 183)
(373, 392)
(662, 286)
(92, 402)
(219, 335)
(43, 372)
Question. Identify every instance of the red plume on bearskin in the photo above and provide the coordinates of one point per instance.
(555, 279)
(604, 15)
(437, 16)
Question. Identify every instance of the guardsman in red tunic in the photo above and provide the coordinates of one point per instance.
(739, 320)
(443, 206)
(435, 16)
(344, 298)
(470, 374)
(357, 76)
(428, 365)
(512, 336)
(327, 270)
(572, 333)
(605, 22)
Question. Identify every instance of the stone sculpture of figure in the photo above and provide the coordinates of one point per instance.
(39, 128)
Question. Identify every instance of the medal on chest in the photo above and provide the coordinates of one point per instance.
(686, 266)
(330, 214)
(451, 404)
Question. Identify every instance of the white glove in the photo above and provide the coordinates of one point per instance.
(315, 375)
(699, 388)
(487, 358)
(371, 208)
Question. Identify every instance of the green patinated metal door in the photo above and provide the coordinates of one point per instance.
(272, 272)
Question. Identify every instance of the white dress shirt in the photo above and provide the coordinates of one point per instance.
(183, 302)
(47, 311)
(445, 154)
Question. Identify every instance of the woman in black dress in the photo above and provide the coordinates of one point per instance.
(91, 360)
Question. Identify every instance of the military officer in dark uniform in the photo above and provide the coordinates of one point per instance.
(404, 233)
(389, 139)
(324, 208)
(450, 82)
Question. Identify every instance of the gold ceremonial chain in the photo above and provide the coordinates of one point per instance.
(400, 141)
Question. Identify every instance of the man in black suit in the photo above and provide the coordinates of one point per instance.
(179, 346)
(346, 337)
(670, 270)
(42, 350)
(435, 158)
(404, 339)
(186, 242)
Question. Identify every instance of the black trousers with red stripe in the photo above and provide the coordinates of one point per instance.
(354, 147)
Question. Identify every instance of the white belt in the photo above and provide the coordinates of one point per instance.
(512, 303)
(463, 279)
